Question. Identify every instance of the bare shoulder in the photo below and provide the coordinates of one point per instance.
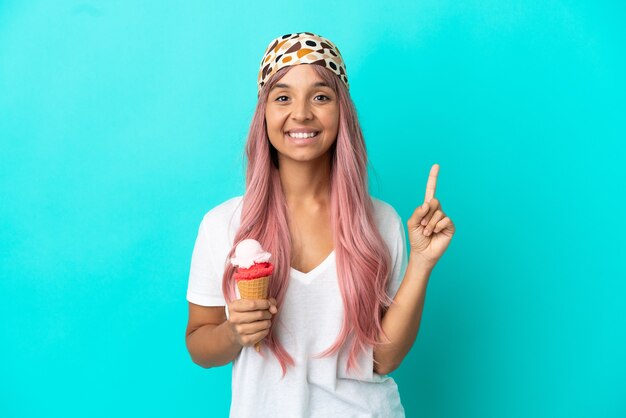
(204, 315)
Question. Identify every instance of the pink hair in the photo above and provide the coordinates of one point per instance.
(363, 259)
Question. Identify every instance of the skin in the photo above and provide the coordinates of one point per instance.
(296, 102)
(430, 232)
(214, 340)
(302, 105)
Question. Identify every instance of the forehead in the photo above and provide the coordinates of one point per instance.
(301, 77)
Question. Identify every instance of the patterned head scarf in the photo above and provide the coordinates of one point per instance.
(300, 48)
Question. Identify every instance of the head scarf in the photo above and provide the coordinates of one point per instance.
(300, 48)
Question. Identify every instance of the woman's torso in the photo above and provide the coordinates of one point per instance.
(310, 320)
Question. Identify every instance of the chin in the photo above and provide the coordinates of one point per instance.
(304, 157)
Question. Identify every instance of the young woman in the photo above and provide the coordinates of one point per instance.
(345, 296)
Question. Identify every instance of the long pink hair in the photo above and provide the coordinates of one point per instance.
(363, 259)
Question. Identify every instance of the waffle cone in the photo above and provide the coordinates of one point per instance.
(254, 289)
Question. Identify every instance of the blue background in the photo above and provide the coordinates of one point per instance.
(123, 122)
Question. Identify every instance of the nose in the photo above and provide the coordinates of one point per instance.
(301, 110)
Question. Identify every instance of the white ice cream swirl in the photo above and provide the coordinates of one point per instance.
(248, 252)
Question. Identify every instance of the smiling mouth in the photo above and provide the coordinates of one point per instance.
(299, 135)
(301, 139)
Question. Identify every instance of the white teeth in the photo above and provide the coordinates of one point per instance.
(302, 135)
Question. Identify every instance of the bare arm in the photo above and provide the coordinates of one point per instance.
(402, 320)
(213, 340)
(430, 232)
(208, 337)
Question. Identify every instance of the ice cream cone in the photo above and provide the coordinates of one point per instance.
(254, 289)
(253, 271)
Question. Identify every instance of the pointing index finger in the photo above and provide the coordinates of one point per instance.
(431, 185)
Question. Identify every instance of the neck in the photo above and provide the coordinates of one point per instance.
(306, 183)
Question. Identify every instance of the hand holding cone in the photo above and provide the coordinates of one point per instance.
(253, 272)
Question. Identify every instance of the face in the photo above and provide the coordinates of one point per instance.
(298, 105)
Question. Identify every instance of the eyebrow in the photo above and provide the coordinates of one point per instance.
(286, 86)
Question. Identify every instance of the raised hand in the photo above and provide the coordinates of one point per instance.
(430, 230)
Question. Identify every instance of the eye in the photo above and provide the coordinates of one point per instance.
(326, 98)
